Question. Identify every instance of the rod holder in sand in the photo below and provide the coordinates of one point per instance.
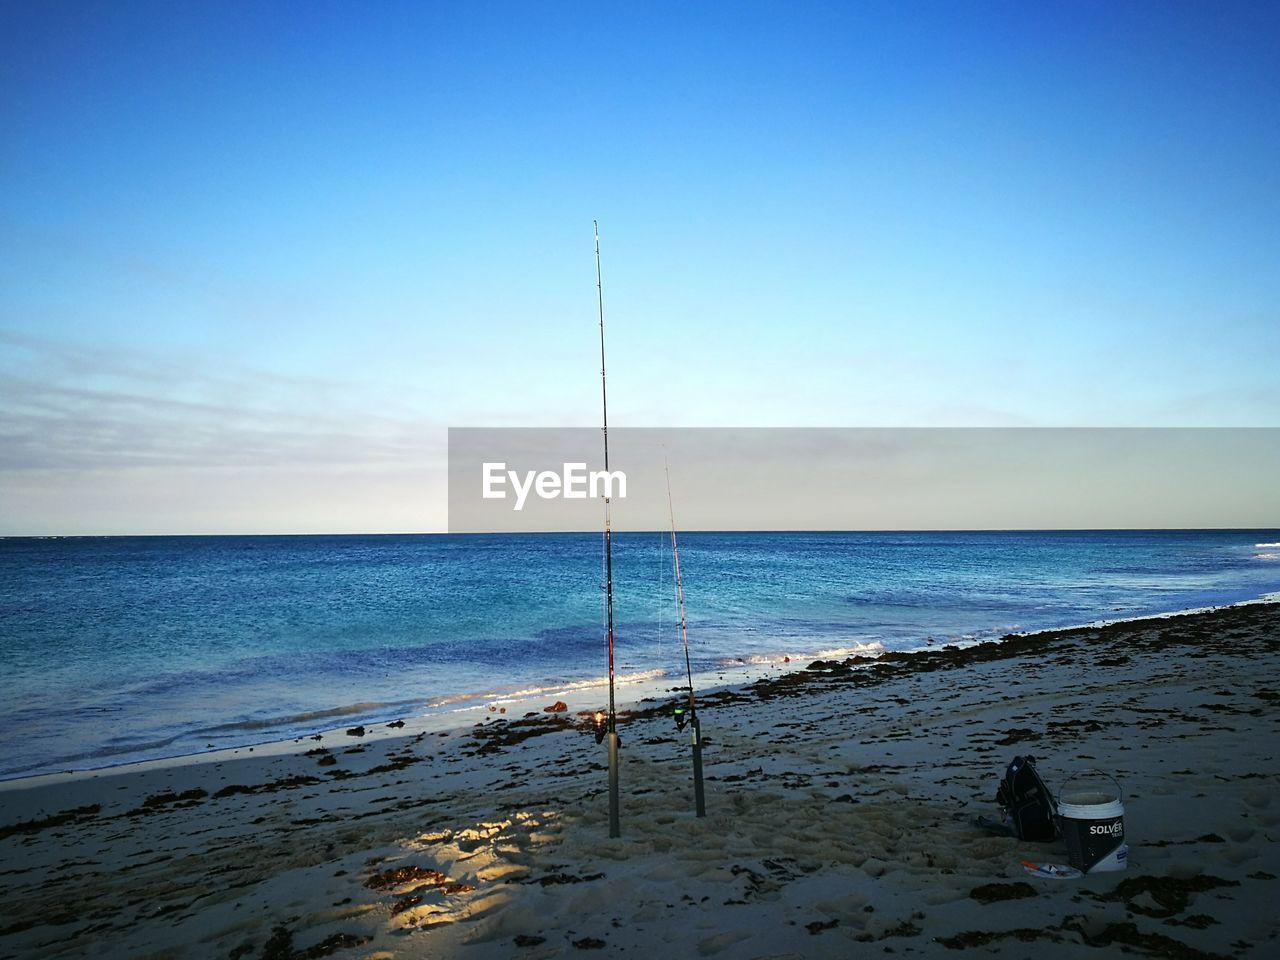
(615, 830)
(699, 795)
(690, 717)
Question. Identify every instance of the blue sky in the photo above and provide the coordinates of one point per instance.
(256, 258)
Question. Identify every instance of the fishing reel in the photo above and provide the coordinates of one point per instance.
(601, 727)
(681, 717)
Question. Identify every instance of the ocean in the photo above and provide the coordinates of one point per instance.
(115, 649)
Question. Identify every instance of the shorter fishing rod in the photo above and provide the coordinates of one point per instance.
(695, 729)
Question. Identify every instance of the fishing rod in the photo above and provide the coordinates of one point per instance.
(611, 731)
(695, 729)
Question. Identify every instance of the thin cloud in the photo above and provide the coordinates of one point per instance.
(86, 407)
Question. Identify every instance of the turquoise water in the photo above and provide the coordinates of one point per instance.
(116, 649)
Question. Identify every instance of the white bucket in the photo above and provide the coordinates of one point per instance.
(1091, 818)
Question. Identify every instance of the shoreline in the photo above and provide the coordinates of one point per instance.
(730, 673)
(225, 646)
(841, 804)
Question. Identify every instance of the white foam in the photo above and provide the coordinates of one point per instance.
(873, 649)
(621, 679)
(1261, 546)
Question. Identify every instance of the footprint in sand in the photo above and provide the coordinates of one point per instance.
(1258, 799)
(1239, 855)
(709, 946)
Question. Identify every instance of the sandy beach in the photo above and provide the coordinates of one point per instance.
(841, 798)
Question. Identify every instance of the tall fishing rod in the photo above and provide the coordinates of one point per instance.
(612, 730)
(695, 729)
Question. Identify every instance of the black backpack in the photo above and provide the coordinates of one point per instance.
(1027, 803)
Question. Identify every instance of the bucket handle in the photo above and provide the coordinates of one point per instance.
(1119, 786)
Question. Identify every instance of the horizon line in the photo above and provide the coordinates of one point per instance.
(664, 530)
